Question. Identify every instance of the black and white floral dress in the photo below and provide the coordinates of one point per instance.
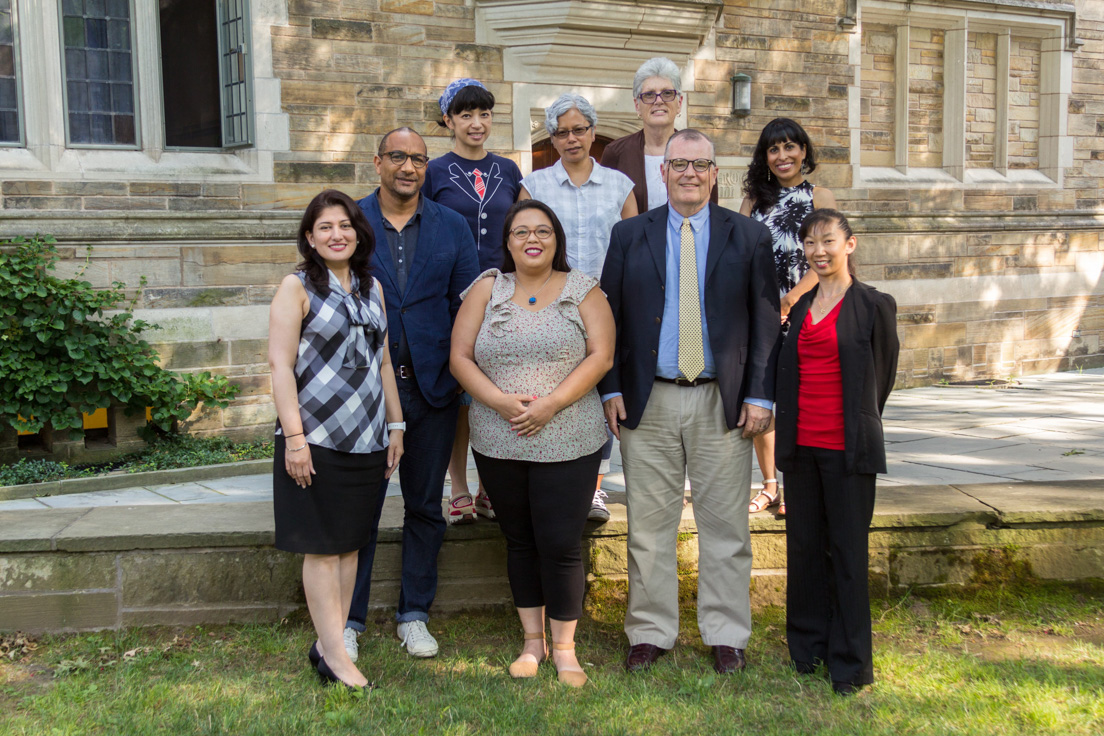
(784, 220)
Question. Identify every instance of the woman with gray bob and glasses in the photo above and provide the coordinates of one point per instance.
(589, 199)
(657, 96)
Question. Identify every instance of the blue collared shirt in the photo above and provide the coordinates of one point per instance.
(667, 365)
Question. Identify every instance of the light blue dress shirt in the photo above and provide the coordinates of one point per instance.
(667, 363)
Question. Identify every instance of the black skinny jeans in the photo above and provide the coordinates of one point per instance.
(542, 509)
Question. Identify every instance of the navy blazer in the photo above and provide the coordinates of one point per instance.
(445, 263)
(866, 332)
(741, 307)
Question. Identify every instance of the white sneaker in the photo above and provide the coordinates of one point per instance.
(598, 510)
(351, 643)
(416, 638)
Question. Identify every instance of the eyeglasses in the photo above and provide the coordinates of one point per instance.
(649, 98)
(543, 232)
(398, 158)
(578, 132)
(680, 164)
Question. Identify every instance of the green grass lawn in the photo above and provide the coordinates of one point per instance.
(1023, 661)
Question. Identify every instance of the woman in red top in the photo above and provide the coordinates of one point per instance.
(835, 371)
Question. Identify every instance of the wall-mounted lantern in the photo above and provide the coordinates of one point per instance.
(741, 94)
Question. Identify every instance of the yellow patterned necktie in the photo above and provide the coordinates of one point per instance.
(691, 355)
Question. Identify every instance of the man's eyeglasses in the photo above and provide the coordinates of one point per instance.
(648, 98)
(578, 132)
(398, 158)
(680, 164)
(543, 232)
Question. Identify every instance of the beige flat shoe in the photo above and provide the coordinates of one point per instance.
(571, 678)
(527, 667)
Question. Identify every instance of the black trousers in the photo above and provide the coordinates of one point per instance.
(828, 513)
(542, 509)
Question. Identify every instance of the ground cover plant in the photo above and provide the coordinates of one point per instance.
(71, 349)
(1002, 660)
(165, 452)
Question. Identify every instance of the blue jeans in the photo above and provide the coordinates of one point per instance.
(427, 446)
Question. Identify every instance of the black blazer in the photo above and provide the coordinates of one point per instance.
(867, 334)
(741, 307)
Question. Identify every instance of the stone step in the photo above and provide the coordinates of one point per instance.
(73, 569)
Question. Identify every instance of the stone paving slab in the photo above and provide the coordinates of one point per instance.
(131, 480)
(167, 526)
(1027, 503)
(935, 505)
(34, 530)
(125, 497)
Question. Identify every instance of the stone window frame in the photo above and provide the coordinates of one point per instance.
(45, 154)
(13, 14)
(1053, 23)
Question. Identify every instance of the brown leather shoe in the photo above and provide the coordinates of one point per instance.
(727, 660)
(642, 656)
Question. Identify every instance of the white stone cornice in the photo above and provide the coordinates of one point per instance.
(587, 41)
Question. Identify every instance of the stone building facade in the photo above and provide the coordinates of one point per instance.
(966, 137)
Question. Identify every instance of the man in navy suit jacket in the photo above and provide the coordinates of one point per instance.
(692, 290)
(424, 257)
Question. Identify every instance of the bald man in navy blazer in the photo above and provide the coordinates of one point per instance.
(692, 382)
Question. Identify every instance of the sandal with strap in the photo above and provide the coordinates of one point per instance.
(764, 500)
(571, 678)
(524, 667)
(461, 510)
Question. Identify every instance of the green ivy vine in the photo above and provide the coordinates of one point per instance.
(67, 348)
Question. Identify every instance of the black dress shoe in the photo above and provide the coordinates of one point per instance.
(642, 656)
(313, 655)
(805, 668)
(328, 677)
(727, 660)
(845, 688)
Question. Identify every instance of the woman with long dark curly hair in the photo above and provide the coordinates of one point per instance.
(339, 430)
(777, 194)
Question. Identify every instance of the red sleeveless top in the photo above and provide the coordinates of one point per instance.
(820, 386)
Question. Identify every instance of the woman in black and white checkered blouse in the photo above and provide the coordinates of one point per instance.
(340, 428)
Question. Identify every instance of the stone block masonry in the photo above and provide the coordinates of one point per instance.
(963, 257)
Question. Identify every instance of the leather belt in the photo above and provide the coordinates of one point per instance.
(404, 371)
(684, 382)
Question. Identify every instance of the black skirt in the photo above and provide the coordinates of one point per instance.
(336, 512)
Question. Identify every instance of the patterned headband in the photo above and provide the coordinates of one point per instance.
(450, 92)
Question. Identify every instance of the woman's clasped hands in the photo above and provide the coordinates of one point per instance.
(526, 414)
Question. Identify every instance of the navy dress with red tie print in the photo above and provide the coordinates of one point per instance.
(482, 191)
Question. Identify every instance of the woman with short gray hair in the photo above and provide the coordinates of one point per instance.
(589, 199)
(657, 95)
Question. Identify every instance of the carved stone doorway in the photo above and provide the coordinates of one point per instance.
(544, 155)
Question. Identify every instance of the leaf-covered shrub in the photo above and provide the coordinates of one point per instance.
(67, 349)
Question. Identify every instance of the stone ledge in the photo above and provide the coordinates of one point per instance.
(133, 480)
(110, 567)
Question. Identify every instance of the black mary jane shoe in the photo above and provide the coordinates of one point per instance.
(327, 676)
(313, 655)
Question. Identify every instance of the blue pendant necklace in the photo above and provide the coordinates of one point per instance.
(533, 296)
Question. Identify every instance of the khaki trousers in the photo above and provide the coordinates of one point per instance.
(683, 432)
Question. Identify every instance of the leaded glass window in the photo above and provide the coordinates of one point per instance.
(237, 92)
(9, 89)
(99, 72)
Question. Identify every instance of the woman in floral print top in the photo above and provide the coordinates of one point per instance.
(530, 344)
(777, 194)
